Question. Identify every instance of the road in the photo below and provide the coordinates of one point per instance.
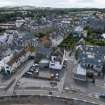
(9, 90)
(75, 90)
(69, 88)
(37, 100)
(83, 88)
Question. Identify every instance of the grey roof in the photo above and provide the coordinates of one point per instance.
(44, 51)
(96, 24)
(28, 36)
(97, 55)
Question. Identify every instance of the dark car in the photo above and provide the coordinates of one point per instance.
(90, 77)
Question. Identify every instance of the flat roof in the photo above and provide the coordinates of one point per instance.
(103, 35)
(92, 55)
(44, 61)
(55, 65)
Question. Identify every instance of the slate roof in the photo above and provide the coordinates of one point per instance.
(16, 57)
(92, 55)
(44, 51)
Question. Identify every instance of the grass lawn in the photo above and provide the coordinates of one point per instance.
(95, 42)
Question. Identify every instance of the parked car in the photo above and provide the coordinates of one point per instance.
(90, 77)
(53, 83)
(101, 95)
(31, 57)
(28, 74)
(56, 76)
(31, 69)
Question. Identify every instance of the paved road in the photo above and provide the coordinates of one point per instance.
(76, 91)
(8, 91)
(68, 95)
(87, 89)
(37, 100)
(18, 75)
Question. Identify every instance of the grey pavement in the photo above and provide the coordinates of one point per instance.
(88, 89)
(11, 83)
(68, 88)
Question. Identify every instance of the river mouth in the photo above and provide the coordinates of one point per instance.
(40, 100)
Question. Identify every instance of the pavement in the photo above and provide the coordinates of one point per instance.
(41, 100)
(67, 87)
(56, 42)
(68, 95)
(11, 83)
(86, 89)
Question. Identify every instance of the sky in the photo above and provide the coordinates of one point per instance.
(55, 3)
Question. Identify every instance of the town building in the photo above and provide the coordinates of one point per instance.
(10, 25)
(19, 23)
(16, 60)
(92, 57)
(78, 31)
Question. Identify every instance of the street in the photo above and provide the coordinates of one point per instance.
(67, 87)
(84, 89)
(8, 91)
